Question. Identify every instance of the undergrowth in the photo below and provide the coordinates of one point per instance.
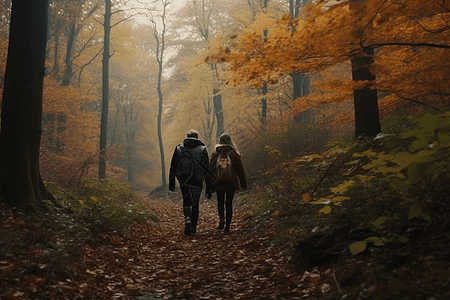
(49, 243)
(385, 199)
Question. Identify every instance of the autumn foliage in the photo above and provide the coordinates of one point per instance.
(410, 38)
(70, 132)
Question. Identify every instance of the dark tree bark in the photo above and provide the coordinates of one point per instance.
(263, 120)
(264, 107)
(160, 48)
(105, 89)
(218, 111)
(56, 37)
(21, 184)
(300, 82)
(367, 118)
(73, 32)
(72, 35)
(217, 100)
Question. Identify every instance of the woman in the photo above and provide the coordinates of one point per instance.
(225, 188)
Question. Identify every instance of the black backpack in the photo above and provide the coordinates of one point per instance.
(190, 162)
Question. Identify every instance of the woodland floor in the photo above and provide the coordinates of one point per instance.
(163, 263)
(157, 261)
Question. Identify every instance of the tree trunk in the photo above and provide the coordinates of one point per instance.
(71, 38)
(21, 184)
(367, 119)
(105, 90)
(69, 53)
(55, 70)
(264, 90)
(217, 101)
(264, 107)
(160, 138)
(300, 82)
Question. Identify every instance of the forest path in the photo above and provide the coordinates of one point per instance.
(161, 262)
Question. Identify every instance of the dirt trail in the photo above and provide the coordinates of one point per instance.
(162, 263)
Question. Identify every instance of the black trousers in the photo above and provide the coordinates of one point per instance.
(225, 200)
(191, 198)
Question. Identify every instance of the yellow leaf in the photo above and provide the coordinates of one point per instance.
(326, 210)
(321, 201)
(379, 221)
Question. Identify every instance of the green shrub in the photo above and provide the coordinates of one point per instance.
(109, 205)
(104, 205)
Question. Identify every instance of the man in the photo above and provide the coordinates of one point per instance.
(190, 165)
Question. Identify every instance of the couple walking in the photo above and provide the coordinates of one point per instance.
(223, 174)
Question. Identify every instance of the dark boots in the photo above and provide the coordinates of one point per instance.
(221, 223)
(187, 226)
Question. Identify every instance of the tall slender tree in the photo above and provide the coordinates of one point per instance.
(105, 89)
(300, 82)
(204, 20)
(105, 83)
(367, 117)
(160, 36)
(264, 89)
(21, 184)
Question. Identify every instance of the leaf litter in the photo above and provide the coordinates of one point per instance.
(157, 261)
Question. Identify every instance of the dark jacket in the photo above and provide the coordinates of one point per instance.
(238, 179)
(207, 175)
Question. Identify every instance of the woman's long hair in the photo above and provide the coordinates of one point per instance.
(225, 139)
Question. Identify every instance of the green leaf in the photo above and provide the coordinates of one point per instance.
(368, 166)
(369, 152)
(399, 184)
(428, 155)
(417, 133)
(379, 242)
(403, 239)
(414, 211)
(417, 172)
(444, 138)
(358, 247)
(326, 210)
(404, 159)
(419, 144)
(426, 217)
(372, 239)
(379, 221)
(429, 122)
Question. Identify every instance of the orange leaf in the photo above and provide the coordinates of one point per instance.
(306, 197)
